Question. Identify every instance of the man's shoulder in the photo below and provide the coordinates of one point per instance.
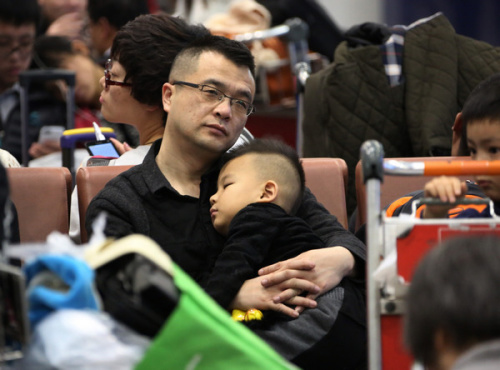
(124, 184)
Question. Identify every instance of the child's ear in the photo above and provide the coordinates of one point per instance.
(456, 135)
(269, 192)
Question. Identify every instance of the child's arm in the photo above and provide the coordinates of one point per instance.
(446, 189)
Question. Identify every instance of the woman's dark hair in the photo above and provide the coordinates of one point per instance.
(146, 48)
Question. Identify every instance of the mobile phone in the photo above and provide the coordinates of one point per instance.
(102, 148)
(50, 133)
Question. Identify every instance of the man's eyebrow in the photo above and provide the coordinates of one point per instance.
(220, 85)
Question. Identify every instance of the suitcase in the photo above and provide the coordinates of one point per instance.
(396, 245)
(25, 80)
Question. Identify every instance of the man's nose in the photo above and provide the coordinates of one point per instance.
(224, 108)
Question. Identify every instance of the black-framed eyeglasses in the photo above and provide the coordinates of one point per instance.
(107, 76)
(10, 45)
(212, 94)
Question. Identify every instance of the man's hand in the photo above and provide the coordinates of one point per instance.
(324, 268)
(253, 294)
(68, 25)
(40, 149)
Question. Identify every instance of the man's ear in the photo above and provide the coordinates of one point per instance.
(456, 135)
(105, 26)
(80, 47)
(269, 192)
(166, 96)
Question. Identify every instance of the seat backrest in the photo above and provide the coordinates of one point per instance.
(41, 196)
(89, 181)
(394, 187)
(327, 179)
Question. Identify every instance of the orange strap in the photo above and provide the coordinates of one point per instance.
(451, 213)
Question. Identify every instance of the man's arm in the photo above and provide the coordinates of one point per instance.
(327, 227)
(124, 210)
(315, 271)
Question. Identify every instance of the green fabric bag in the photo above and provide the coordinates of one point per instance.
(199, 334)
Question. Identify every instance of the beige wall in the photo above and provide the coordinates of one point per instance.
(347, 13)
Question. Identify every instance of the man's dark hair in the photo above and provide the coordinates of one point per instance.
(117, 12)
(267, 147)
(454, 290)
(18, 12)
(146, 48)
(235, 51)
(482, 103)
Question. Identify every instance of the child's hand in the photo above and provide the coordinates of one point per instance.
(446, 189)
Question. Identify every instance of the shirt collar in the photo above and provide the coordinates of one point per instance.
(155, 179)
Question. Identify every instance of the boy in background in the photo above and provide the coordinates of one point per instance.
(480, 136)
(259, 189)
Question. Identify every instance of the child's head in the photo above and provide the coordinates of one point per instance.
(263, 170)
(480, 118)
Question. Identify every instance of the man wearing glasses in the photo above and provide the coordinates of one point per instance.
(167, 197)
(18, 20)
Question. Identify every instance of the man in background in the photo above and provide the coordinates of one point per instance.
(106, 17)
(18, 22)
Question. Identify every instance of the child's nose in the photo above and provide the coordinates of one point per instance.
(212, 200)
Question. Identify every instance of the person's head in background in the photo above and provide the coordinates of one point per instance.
(142, 55)
(262, 171)
(59, 52)
(18, 22)
(453, 301)
(106, 17)
(53, 10)
(477, 130)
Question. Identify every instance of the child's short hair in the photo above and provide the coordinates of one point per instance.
(482, 103)
(454, 290)
(278, 161)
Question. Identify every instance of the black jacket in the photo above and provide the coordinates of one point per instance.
(44, 110)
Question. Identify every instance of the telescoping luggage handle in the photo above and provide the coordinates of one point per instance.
(374, 168)
(25, 79)
(296, 32)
